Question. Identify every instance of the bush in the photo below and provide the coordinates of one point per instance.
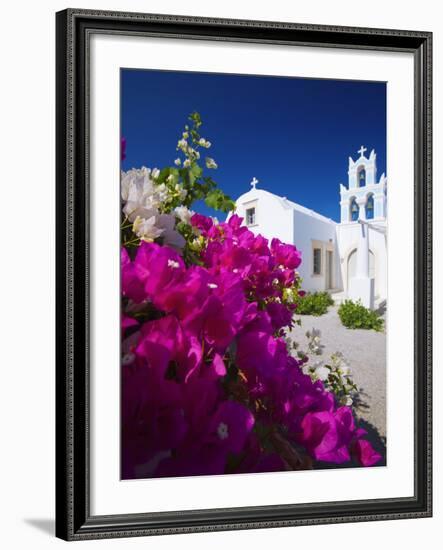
(356, 315)
(316, 303)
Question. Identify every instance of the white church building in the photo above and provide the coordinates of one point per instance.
(348, 259)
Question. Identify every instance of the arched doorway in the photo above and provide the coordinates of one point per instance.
(352, 268)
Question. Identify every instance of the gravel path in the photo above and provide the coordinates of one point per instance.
(366, 352)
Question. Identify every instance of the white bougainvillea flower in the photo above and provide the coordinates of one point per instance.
(210, 163)
(204, 143)
(146, 229)
(136, 182)
(138, 192)
(170, 236)
(322, 372)
(141, 195)
(183, 214)
(161, 193)
(158, 225)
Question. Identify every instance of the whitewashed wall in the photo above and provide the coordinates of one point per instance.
(347, 239)
(306, 229)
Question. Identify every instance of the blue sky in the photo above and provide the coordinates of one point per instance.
(293, 134)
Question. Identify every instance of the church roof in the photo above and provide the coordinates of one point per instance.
(308, 211)
(285, 203)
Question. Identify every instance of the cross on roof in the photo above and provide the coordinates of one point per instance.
(362, 150)
(254, 182)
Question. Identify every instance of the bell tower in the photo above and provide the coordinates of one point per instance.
(364, 198)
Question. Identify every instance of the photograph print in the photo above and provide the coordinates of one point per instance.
(253, 274)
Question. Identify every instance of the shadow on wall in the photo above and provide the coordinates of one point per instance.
(42, 524)
(381, 310)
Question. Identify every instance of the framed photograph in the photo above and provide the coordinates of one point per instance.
(243, 274)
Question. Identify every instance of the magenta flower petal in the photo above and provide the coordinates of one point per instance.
(231, 426)
(286, 254)
(203, 223)
(258, 353)
(158, 343)
(280, 315)
(365, 453)
(132, 286)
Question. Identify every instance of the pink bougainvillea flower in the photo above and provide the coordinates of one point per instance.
(308, 396)
(228, 288)
(230, 426)
(321, 436)
(345, 424)
(182, 294)
(203, 223)
(196, 454)
(235, 222)
(198, 460)
(132, 286)
(260, 321)
(280, 315)
(224, 256)
(152, 417)
(209, 362)
(201, 396)
(216, 328)
(285, 254)
(157, 266)
(259, 245)
(285, 277)
(220, 316)
(189, 357)
(365, 453)
(212, 437)
(255, 459)
(159, 342)
(217, 366)
(258, 353)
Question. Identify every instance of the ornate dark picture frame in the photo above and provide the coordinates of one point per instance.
(73, 517)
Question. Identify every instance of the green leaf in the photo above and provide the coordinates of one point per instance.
(196, 170)
(214, 199)
(164, 173)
